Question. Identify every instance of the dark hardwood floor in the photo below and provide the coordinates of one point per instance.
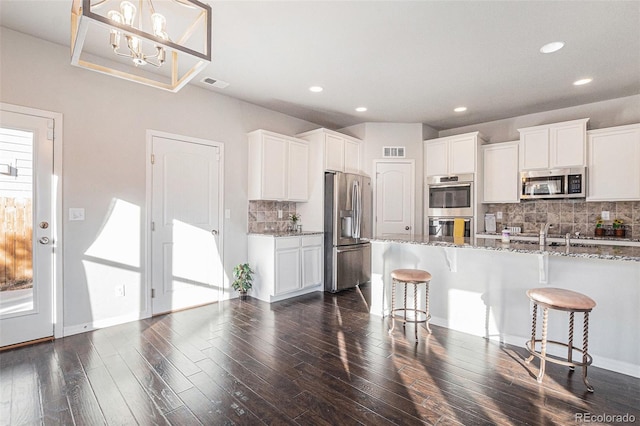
(319, 359)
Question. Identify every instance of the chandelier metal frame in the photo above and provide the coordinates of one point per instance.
(83, 17)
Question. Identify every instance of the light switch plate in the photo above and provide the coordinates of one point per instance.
(76, 214)
(605, 215)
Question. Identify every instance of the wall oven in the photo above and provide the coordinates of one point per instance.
(555, 183)
(450, 196)
(443, 226)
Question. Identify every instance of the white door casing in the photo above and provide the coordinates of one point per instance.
(395, 197)
(41, 315)
(186, 181)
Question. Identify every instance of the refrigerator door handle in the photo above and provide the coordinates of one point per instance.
(355, 200)
(357, 247)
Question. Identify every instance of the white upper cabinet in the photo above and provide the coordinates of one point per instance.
(333, 153)
(555, 145)
(501, 176)
(298, 173)
(613, 171)
(352, 156)
(451, 155)
(341, 153)
(278, 167)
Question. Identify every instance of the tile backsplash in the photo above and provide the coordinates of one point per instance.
(263, 215)
(568, 215)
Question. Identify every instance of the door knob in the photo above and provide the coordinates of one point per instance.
(407, 228)
(44, 240)
(214, 231)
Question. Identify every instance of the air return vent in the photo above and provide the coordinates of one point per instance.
(219, 84)
(393, 152)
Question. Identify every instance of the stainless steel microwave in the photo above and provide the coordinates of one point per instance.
(553, 183)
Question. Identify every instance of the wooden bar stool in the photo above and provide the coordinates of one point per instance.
(414, 277)
(562, 300)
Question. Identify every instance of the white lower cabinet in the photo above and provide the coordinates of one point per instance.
(285, 266)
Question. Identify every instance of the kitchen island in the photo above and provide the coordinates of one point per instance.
(479, 287)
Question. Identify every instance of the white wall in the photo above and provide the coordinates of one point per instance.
(610, 113)
(377, 135)
(105, 120)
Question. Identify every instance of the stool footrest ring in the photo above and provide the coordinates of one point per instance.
(555, 360)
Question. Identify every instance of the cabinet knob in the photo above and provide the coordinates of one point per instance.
(214, 231)
(407, 227)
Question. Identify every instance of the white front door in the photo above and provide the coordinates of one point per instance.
(394, 197)
(186, 236)
(26, 242)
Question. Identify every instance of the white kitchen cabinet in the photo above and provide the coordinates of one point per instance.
(341, 153)
(351, 156)
(501, 177)
(311, 255)
(613, 171)
(297, 171)
(278, 167)
(287, 257)
(333, 153)
(557, 145)
(451, 155)
(285, 266)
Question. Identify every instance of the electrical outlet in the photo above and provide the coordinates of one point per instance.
(279, 213)
(605, 215)
(120, 291)
(498, 215)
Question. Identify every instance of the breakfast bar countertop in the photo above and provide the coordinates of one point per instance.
(278, 234)
(587, 251)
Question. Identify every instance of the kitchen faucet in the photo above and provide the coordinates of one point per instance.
(544, 230)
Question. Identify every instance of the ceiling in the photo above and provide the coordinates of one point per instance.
(406, 61)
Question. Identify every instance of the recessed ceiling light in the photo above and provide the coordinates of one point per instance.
(361, 109)
(315, 89)
(460, 109)
(552, 47)
(582, 81)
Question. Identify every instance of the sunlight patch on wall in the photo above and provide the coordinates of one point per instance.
(469, 313)
(119, 238)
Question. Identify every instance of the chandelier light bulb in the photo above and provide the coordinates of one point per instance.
(115, 16)
(128, 12)
(114, 37)
(159, 25)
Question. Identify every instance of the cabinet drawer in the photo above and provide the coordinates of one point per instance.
(287, 242)
(312, 240)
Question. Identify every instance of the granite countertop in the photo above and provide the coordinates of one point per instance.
(560, 238)
(587, 251)
(278, 234)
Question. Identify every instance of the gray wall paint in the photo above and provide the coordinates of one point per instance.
(104, 160)
(610, 113)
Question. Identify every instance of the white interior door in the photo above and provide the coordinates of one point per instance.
(186, 238)
(26, 245)
(394, 198)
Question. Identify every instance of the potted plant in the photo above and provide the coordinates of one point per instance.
(618, 228)
(243, 275)
(294, 218)
(599, 227)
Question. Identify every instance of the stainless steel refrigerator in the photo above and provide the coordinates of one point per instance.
(347, 225)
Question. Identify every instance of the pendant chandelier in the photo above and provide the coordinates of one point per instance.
(160, 43)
